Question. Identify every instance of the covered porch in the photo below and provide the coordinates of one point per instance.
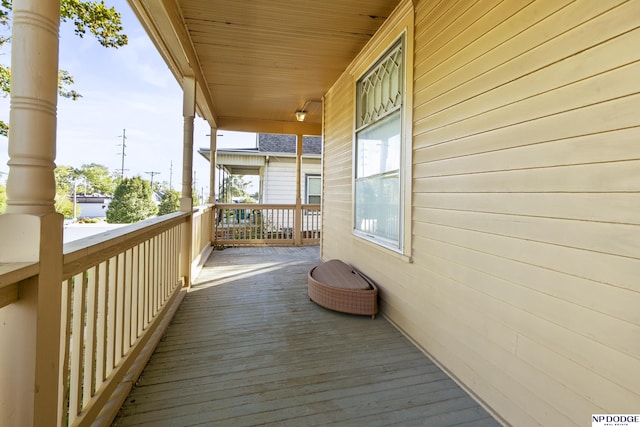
(247, 347)
(511, 256)
(82, 319)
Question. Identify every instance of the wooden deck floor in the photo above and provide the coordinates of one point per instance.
(247, 347)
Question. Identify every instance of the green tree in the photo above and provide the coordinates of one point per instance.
(234, 186)
(64, 206)
(66, 176)
(131, 202)
(3, 199)
(195, 197)
(105, 23)
(89, 178)
(169, 201)
(96, 179)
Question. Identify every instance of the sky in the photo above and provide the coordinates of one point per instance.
(127, 89)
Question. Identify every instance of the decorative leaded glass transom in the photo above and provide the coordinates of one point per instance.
(380, 90)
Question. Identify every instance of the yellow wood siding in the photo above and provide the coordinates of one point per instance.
(525, 232)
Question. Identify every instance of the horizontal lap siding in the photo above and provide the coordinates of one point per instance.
(526, 237)
(337, 167)
(525, 281)
(281, 177)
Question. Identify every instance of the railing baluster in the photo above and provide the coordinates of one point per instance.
(65, 344)
(152, 279)
(158, 267)
(112, 293)
(141, 284)
(135, 265)
(77, 344)
(126, 314)
(90, 335)
(163, 266)
(101, 324)
(120, 308)
(174, 253)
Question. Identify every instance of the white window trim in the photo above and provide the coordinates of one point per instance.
(406, 33)
(306, 190)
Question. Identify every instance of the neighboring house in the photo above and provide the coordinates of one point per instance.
(92, 206)
(274, 162)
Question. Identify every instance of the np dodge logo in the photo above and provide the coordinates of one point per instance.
(615, 420)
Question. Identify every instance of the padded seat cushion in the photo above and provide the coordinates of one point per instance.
(339, 275)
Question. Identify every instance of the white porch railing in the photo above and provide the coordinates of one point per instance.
(118, 289)
(266, 224)
(121, 288)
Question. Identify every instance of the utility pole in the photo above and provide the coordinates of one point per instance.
(171, 175)
(124, 146)
(152, 175)
(195, 181)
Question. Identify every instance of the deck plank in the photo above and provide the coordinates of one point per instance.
(248, 348)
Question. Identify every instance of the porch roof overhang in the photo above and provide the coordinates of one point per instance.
(258, 63)
(248, 162)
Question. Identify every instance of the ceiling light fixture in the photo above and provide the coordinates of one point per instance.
(300, 115)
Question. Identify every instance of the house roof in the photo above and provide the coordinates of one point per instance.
(278, 143)
(270, 145)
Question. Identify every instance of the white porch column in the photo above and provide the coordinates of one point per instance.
(213, 160)
(188, 113)
(186, 201)
(297, 237)
(31, 230)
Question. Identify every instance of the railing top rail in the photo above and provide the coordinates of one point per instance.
(199, 210)
(14, 272)
(109, 243)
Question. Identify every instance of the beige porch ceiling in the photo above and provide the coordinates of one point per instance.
(257, 62)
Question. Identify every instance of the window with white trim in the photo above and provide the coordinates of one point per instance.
(378, 170)
(314, 189)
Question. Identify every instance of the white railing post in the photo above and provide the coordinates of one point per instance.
(31, 230)
(297, 218)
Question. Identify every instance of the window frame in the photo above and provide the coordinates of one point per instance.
(307, 186)
(404, 172)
